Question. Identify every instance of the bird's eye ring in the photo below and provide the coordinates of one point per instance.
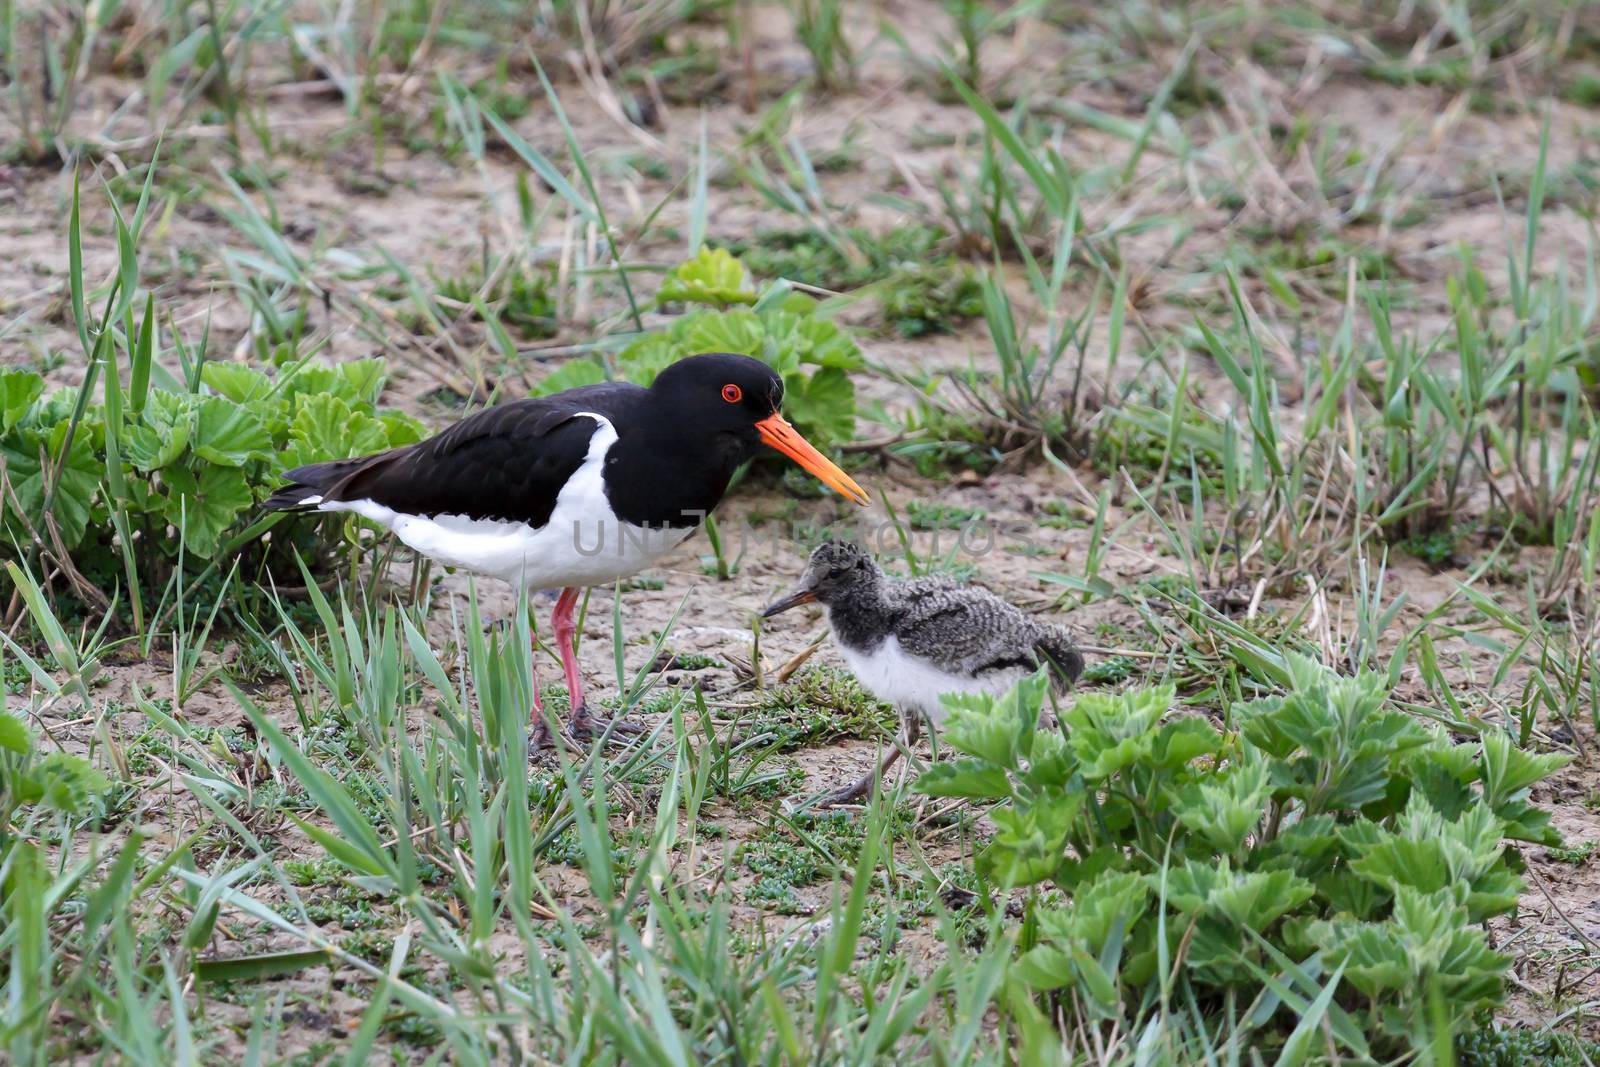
(835, 572)
(732, 394)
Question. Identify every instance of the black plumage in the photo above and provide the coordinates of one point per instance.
(561, 490)
(507, 462)
(510, 462)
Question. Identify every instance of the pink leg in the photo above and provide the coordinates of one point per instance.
(566, 628)
(582, 723)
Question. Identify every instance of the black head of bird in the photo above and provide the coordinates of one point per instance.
(837, 570)
(737, 403)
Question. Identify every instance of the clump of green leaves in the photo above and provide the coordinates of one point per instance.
(1584, 89)
(799, 853)
(1576, 855)
(852, 258)
(713, 278)
(920, 289)
(778, 326)
(1168, 436)
(691, 661)
(820, 26)
(101, 480)
(1435, 548)
(919, 300)
(29, 781)
(939, 515)
(1319, 261)
(1109, 670)
(817, 706)
(521, 296)
(1491, 1046)
(1330, 841)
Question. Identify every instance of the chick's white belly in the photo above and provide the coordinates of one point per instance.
(894, 675)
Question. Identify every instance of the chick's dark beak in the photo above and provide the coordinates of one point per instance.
(793, 600)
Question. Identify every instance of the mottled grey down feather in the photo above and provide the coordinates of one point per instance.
(960, 628)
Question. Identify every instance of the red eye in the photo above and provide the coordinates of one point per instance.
(732, 394)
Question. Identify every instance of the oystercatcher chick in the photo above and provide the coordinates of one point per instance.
(909, 641)
(572, 490)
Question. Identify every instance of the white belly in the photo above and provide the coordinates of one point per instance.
(895, 676)
(583, 543)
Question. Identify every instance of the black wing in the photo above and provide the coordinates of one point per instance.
(506, 462)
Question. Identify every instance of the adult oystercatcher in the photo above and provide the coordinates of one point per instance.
(571, 490)
(908, 642)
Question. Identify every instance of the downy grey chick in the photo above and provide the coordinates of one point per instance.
(908, 641)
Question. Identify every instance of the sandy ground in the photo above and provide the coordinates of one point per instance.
(340, 206)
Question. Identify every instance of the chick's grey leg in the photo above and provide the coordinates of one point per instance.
(862, 787)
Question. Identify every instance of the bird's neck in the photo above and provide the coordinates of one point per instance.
(861, 616)
(673, 478)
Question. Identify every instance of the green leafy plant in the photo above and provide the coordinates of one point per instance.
(520, 293)
(781, 327)
(713, 277)
(192, 460)
(1330, 845)
(920, 300)
(1492, 1046)
(975, 22)
(819, 24)
(848, 260)
(167, 465)
(920, 288)
(31, 781)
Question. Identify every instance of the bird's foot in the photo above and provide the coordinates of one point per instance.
(849, 794)
(586, 726)
(547, 758)
(502, 628)
(541, 738)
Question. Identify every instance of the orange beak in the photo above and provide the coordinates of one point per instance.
(776, 431)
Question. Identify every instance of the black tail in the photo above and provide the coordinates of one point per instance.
(309, 485)
(1061, 653)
